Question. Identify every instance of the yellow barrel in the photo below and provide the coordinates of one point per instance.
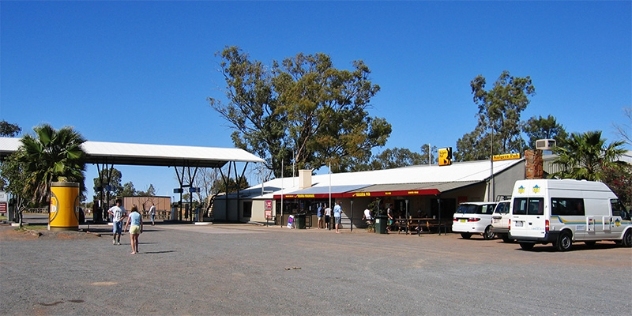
(64, 206)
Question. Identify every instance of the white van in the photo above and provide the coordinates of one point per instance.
(565, 211)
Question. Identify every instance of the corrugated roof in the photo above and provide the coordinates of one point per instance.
(423, 178)
(439, 186)
(150, 155)
(326, 189)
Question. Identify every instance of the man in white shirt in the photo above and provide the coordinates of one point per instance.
(367, 216)
(118, 214)
(337, 216)
(152, 213)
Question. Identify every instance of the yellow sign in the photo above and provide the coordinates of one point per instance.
(445, 156)
(506, 157)
(360, 194)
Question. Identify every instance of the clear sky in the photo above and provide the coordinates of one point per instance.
(141, 71)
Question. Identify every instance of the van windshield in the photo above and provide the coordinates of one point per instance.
(502, 208)
(528, 206)
(475, 209)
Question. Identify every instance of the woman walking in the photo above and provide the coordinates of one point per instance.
(135, 223)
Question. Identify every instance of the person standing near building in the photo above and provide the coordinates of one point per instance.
(327, 216)
(319, 215)
(152, 213)
(337, 216)
(118, 214)
(135, 224)
(389, 213)
(367, 216)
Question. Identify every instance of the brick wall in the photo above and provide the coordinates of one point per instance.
(533, 161)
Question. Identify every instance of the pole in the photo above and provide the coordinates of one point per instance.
(281, 220)
(439, 223)
(491, 161)
(407, 217)
(351, 225)
(330, 217)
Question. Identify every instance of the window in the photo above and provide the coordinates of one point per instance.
(476, 209)
(567, 207)
(502, 208)
(618, 209)
(528, 206)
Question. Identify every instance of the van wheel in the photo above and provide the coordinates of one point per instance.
(488, 234)
(564, 242)
(627, 239)
(507, 239)
(466, 235)
(526, 246)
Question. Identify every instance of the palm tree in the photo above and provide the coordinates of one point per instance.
(52, 156)
(585, 156)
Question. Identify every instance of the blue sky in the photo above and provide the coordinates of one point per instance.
(141, 71)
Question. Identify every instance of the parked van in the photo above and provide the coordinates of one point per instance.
(501, 219)
(565, 211)
(474, 218)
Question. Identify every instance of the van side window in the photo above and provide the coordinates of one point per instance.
(567, 207)
(618, 209)
(528, 206)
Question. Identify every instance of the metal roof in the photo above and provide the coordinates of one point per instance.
(427, 188)
(405, 181)
(150, 155)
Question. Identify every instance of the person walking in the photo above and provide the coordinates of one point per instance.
(135, 224)
(118, 214)
(152, 213)
(327, 216)
(337, 216)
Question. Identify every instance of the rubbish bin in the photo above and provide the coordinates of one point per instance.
(64, 206)
(380, 224)
(299, 221)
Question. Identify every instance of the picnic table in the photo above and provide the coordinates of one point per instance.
(418, 224)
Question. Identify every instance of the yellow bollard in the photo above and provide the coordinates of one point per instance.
(64, 206)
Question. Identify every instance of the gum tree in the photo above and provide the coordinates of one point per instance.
(499, 109)
(302, 111)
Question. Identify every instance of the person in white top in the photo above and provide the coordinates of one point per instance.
(337, 216)
(118, 214)
(327, 216)
(367, 216)
(152, 213)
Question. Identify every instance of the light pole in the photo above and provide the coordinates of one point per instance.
(351, 215)
(329, 205)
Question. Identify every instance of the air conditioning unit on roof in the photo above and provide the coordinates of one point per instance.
(544, 144)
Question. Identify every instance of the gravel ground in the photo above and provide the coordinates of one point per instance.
(233, 269)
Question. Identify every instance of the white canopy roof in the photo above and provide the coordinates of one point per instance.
(150, 155)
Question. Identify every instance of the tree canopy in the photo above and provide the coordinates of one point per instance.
(302, 111)
(9, 130)
(499, 109)
(51, 155)
(585, 156)
(393, 158)
(115, 177)
(545, 128)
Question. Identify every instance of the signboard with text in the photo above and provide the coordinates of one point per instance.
(506, 157)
